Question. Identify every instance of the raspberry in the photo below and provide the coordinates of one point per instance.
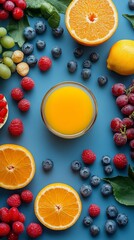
(18, 13)
(27, 83)
(94, 210)
(9, 6)
(1, 96)
(44, 63)
(88, 156)
(17, 94)
(4, 215)
(18, 227)
(26, 196)
(3, 14)
(21, 4)
(16, 127)
(14, 200)
(3, 112)
(120, 161)
(34, 230)
(4, 229)
(3, 104)
(14, 214)
(24, 105)
(21, 218)
(12, 236)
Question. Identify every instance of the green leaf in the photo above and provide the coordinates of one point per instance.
(131, 172)
(33, 12)
(130, 18)
(123, 189)
(16, 28)
(54, 20)
(47, 10)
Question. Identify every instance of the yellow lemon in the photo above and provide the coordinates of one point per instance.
(121, 57)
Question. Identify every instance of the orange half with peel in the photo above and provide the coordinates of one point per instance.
(91, 22)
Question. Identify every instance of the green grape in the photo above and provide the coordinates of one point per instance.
(5, 71)
(8, 61)
(3, 32)
(13, 68)
(7, 42)
(7, 54)
(0, 49)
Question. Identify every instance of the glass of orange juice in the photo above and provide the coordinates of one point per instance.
(69, 109)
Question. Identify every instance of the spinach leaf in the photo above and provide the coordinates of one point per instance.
(16, 28)
(130, 18)
(131, 172)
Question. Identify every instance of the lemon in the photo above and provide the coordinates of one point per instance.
(121, 57)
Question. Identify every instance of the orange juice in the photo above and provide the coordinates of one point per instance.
(68, 109)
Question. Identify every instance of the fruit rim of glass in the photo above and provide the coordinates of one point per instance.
(88, 91)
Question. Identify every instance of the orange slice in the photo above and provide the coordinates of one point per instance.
(91, 22)
(17, 166)
(58, 206)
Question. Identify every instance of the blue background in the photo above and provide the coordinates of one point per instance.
(43, 144)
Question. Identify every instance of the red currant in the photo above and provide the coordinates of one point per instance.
(127, 109)
(18, 13)
(130, 133)
(21, 4)
(122, 100)
(132, 143)
(2, 1)
(9, 6)
(120, 139)
(131, 98)
(116, 125)
(3, 14)
(118, 89)
(128, 122)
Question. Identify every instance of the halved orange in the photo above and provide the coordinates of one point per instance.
(91, 22)
(58, 206)
(17, 166)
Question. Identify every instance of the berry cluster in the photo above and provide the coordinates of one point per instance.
(114, 219)
(14, 7)
(12, 220)
(124, 129)
(3, 110)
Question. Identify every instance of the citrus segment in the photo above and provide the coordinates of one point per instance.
(91, 22)
(17, 166)
(58, 206)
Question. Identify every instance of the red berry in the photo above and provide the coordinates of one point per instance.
(26, 196)
(3, 112)
(88, 156)
(22, 217)
(2, 1)
(1, 119)
(120, 161)
(127, 109)
(132, 155)
(17, 94)
(14, 214)
(24, 105)
(34, 230)
(18, 227)
(122, 100)
(44, 63)
(9, 6)
(116, 125)
(27, 83)
(4, 229)
(132, 143)
(4, 215)
(16, 128)
(12, 236)
(118, 89)
(3, 14)
(18, 13)
(127, 122)
(130, 133)
(21, 4)
(1, 96)
(120, 139)
(14, 200)
(131, 98)
(94, 210)
(3, 104)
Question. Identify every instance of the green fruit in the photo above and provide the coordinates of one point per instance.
(7, 54)
(13, 68)
(7, 42)
(3, 32)
(8, 61)
(0, 49)
(5, 71)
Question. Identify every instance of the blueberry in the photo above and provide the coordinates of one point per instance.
(29, 33)
(94, 57)
(86, 73)
(122, 219)
(57, 32)
(31, 60)
(108, 169)
(47, 165)
(27, 48)
(87, 64)
(40, 44)
(131, 4)
(106, 189)
(106, 160)
(87, 221)
(102, 80)
(56, 52)
(95, 181)
(85, 172)
(110, 227)
(78, 52)
(111, 211)
(86, 190)
(72, 66)
(76, 166)
(40, 27)
(94, 230)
